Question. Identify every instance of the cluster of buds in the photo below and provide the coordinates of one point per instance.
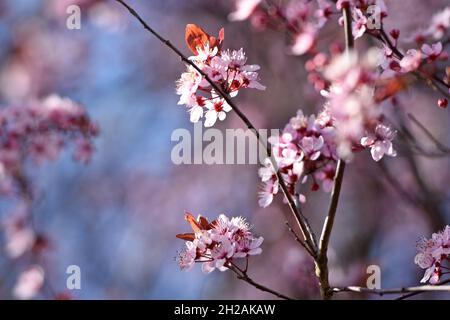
(217, 244)
(432, 255)
(226, 68)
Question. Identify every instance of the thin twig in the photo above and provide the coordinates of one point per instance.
(430, 136)
(242, 275)
(397, 185)
(430, 81)
(408, 291)
(301, 220)
(296, 238)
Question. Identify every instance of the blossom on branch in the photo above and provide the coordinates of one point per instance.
(304, 149)
(39, 131)
(351, 98)
(433, 253)
(228, 69)
(380, 142)
(217, 244)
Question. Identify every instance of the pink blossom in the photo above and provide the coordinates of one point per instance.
(249, 247)
(326, 176)
(187, 86)
(19, 237)
(29, 283)
(351, 97)
(83, 150)
(304, 147)
(359, 23)
(304, 41)
(217, 109)
(187, 258)
(380, 142)
(340, 4)
(228, 69)
(432, 254)
(39, 131)
(411, 61)
(218, 243)
(432, 52)
(440, 22)
(270, 185)
(244, 8)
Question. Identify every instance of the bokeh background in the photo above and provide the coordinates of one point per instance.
(117, 217)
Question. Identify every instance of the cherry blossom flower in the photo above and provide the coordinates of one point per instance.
(29, 283)
(432, 254)
(380, 142)
(187, 86)
(351, 97)
(304, 41)
(305, 148)
(326, 176)
(411, 61)
(249, 247)
(36, 131)
(19, 237)
(216, 110)
(218, 243)
(432, 52)
(226, 68)
(40, 130)
(359, 23)
(270, 184)
(440, 22)
(244, 8)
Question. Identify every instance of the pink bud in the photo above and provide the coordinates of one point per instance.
(443, 103)
(395, 33)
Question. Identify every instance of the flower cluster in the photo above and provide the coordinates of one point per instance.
(305, 148)
(367, 15)
(218, 243)
(436, 30)
(353, 98)
(301, 19)
(411, 61)
(432, 254)
(226, 68)
(40, 130)
(37, 132)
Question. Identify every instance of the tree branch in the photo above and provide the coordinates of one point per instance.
(430, 81)
(242, 275)
(322, 259)
(407, 291)
(301, 220)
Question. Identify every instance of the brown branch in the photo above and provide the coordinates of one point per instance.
(397, 186)
(322, 259)
(431, 82)
(296, 238)
(407, 291)
(242, 275)
(301, 220)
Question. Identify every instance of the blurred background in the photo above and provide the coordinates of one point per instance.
(117, 216)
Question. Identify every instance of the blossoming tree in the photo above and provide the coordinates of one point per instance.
(312, 150)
